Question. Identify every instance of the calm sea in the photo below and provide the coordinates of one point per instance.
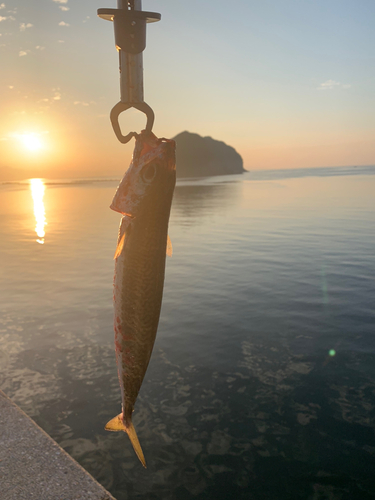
(262, 380)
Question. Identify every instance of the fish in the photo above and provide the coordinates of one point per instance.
(144, 198)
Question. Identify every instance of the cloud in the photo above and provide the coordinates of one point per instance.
(82, 103)
(63, 8)
(332, 84)
(9, 18)
(62, 23)
(23, 26)
(39, 47)
(61, 1)
(56, 97)
(329, 84)
(23, 53)
(16, 113)
(2, 6)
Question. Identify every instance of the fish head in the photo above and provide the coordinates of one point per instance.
(149, 182)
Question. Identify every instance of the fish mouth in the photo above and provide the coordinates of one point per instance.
(170, 154)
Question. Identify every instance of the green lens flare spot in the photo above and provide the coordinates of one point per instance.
(332, 352)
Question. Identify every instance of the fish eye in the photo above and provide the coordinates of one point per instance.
(149, 172)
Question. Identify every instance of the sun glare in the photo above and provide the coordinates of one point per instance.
(37, 192)
(31, 142)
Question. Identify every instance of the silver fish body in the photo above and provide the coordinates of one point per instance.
(144, 197)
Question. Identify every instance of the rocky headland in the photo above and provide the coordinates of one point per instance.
(203, 156)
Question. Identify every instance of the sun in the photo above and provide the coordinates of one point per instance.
(31, 142)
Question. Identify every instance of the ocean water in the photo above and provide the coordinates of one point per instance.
(262, 380)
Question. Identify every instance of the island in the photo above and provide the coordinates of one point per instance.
(199, 156)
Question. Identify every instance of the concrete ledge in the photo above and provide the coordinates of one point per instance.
(33, 466)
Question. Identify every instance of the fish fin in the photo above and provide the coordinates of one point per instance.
(117, 424)
(169, 247)
(135, 442)
(120, 246)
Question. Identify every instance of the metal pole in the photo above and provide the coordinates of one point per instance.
(131, 67)
(130, 33)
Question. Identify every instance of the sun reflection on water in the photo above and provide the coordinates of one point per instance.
(37, 192)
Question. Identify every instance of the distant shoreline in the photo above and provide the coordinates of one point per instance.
(253, 173)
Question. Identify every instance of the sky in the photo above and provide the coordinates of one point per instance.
(287, 83)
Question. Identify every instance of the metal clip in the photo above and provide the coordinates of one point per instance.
(130, 38)
(119, 108)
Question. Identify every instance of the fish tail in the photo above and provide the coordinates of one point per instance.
(136, 444)
(117, 424)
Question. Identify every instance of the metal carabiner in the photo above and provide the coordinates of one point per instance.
(122, 106)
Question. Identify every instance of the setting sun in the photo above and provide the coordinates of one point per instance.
(31, 141)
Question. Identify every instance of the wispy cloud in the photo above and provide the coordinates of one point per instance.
(332, 84)
(62, 7)
(22, 53)
(19, 135)
(2, 6)
(63, 23)
(55, 97)
(23, 26)
(9, 18)
(61, 1)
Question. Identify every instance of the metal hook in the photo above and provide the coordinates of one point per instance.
(122, 106)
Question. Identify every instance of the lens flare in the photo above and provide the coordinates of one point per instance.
(37, 192)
